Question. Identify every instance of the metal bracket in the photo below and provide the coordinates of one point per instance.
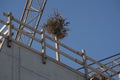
(9, 42)
(44, 58)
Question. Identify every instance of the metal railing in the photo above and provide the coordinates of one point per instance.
(46, 43)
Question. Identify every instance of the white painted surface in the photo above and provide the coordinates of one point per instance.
(19, 63)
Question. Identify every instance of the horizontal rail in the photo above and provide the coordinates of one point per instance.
(64, 54)
(22, 32)
(3, 22)
(105, 71)
(24, 24)
(2, 28)
(80, 54)
(112, 67)
(1, 34)
(102, 60)
(4, 34)
(76, 60)
(63, 45)
(100, 64)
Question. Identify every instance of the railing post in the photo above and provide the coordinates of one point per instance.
(9, 30)
(85, 64)
(43, 46)
(57, 48)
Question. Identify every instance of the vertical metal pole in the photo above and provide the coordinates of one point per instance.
(43, 46)
(38, 20)
(85, 64)
(57, 48)
(24, 18)
(9, 30)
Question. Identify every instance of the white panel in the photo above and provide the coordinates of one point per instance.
(5, 67)
(27, 74)
(52, 70)
(18, 63)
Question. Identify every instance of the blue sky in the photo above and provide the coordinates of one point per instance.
(94, 24)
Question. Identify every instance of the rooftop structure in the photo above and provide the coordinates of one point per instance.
(30, 54)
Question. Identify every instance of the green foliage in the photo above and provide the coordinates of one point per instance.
(55, 25)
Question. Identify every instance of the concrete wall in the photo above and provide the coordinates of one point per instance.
(19, 63)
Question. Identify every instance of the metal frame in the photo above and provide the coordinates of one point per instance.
(30, 21)
(27, 17)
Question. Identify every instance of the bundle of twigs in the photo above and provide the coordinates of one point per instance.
(55, 25)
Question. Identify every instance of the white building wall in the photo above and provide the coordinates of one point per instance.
(19, 63)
